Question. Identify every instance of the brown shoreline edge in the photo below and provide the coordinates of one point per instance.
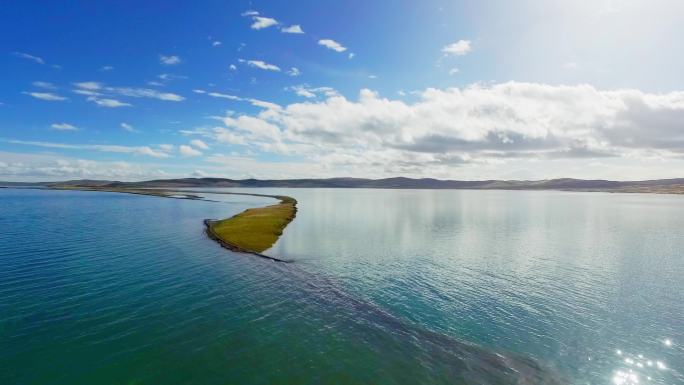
(232, 247)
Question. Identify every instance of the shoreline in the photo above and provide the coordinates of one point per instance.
(209, 224)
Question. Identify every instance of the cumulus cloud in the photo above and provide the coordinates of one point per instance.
(186, 150)
(459, 48)
(63, 127)
(260, 22)
(296, 28)
(47, 96)
(48, 167)
(475, 125)
(169, 60)
(332, 44)
(261, 65)
(199, 144)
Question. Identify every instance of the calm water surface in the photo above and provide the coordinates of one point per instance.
(387, 287)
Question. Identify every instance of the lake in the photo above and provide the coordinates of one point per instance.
(386, 287)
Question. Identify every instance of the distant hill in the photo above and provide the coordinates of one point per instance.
(660, 185)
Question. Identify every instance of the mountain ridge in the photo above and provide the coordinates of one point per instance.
(673, 185)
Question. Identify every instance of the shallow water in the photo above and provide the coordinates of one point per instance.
(388, 287)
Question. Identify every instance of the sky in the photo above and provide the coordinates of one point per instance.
(493, 89)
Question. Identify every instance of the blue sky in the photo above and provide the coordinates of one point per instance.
(448, 89)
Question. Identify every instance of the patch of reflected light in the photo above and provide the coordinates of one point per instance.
(633, 368)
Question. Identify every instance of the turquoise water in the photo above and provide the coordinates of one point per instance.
(387, 287)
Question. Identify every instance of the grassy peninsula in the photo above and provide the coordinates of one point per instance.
(254, 230)
(251, 231)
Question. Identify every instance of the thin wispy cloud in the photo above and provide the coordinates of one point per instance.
(91, 86)
(311, 92)
(95, 89)
(109, 103)
(128, 127)
(249, 13)
(45, 85)
(294, 71)
(30, 57)
(459, 48)
(295, 28)
(332, 44)
(106, 68)
(47, 96)
(169, 60)
(63, 127)
(261, 65)
(137, 150)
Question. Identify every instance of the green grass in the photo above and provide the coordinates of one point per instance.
(256, 229)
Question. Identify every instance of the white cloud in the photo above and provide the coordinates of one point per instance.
(50, 167)
(95, 89)
(46, 85)
(106, 68)
(475, 126)
(106, 102)
(169, 60)
(145, 93)
(454, 71)
(137, 150)
(332, 44)
(63, 127)
(571, 66)
(263, 22)
(460, 48)
(223, 96)
(216, 43)
(232, 67)
(351, 55)
(128, 127)
(261, 65)
(294, 71)
(27, 56)
(199, 144)
(197, 91)
(47, 96)
(186, 150)
(311, 92)
(92, 86)
(250, 13)
(296, 28)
